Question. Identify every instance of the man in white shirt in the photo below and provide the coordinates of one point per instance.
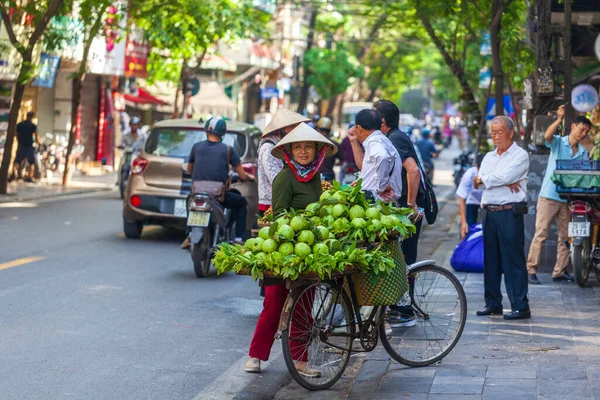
(379, 163)
(503, 178)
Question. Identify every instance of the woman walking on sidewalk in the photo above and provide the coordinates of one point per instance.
(297, 185)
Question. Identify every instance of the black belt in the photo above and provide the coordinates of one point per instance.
(503, 207)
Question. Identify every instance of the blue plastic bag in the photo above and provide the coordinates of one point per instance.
(468, 255)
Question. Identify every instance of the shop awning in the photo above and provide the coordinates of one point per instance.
(143, 97)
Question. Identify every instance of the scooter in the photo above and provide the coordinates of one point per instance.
(348, 174)
(461, 164)
(583, 238)
(209, 224)
(124, 169)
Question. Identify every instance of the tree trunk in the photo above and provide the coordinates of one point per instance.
(454, 66)
(331, 107)
(497, 62)
(13, 115)
(309, 44)
(75, 104)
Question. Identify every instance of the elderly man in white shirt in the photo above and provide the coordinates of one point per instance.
(379, 162)
(503, 178)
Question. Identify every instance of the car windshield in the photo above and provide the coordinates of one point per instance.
(178, 142)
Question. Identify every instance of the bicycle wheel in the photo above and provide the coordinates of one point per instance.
(439, 305)
(319, 333)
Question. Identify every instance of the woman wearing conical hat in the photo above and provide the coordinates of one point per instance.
(268, 166)
(296, 186)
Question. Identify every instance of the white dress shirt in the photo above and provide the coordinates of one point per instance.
(380, 157)
(498, 171)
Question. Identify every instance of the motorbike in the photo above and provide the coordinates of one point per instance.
(209, 224)
(348, 174)
(583, 237)
(124, 169)
(461, 164)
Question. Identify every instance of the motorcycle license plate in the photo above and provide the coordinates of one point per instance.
(180, 209)
(579, 229)
(198, 218)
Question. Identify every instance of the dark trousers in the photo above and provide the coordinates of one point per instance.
(239, 211)
(503, 242)
(472, 214)
(410, 246)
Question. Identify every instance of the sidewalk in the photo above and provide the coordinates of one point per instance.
(21, 191)
(555, 355)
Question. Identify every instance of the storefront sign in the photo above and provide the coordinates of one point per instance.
(584, 98)
(137, 51)
(47, 73)
(107, 53)
(269, 92)
(485, 77)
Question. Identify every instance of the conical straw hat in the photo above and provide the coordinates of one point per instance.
(283, 118)
(303, 133)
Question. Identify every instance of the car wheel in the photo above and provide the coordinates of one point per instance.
(132, 230)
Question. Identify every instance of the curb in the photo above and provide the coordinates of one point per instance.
(14, 197)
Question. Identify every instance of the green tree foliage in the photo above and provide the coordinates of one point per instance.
(331, 70)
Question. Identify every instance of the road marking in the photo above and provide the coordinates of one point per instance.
(20, 261)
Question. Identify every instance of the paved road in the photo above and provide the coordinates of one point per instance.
(88, 314)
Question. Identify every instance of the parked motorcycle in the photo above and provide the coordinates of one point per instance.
(209, 224)
(461, 164)
(583, 238)
(124, 169)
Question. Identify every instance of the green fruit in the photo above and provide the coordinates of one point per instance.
(359, 223)
(306, 236)
(372, 213)
(286, 232)
(315, 220)
(388, 222)
(340, 196)
(257, 245)
(264, 233)
(320, 248)
(324, 232)
(269, 246)
(249, 243)
(312, 207)
(339, 210)
(302, 250)
(261, 256)
(339, 225)
(334, 246)
(325, 196)
(328, 220)
(282, 221)
(356, 212)
(299, 223)
(377, 225)
(286, 248)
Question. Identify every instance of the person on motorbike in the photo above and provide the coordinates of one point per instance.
(209, 161)
(296, 186)
(135, 138)
(428, 153)
(326, 170)
(549, 204)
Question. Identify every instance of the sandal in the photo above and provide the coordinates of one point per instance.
(304, 370)
(252, 365)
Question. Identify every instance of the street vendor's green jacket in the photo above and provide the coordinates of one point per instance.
(289, 193)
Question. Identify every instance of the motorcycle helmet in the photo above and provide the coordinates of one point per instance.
(216, 126)
(316, 118)
(325, 124)
(135, 121)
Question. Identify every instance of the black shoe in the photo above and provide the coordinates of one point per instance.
(523, 314)
(566, 277)
(490, 311)
(533, 279)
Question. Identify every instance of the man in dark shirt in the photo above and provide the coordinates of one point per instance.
(326, 170)
(26, 134)
(411, 175)
(210, 160)
(428, 152)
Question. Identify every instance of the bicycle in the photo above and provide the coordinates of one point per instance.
(320, 322)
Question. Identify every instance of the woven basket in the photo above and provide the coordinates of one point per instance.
(382, 289)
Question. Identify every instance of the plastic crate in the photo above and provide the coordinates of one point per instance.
(575, 190)
(578, 165)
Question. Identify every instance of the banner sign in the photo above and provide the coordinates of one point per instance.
(48, 68)
(584, 98)
(137, 51)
